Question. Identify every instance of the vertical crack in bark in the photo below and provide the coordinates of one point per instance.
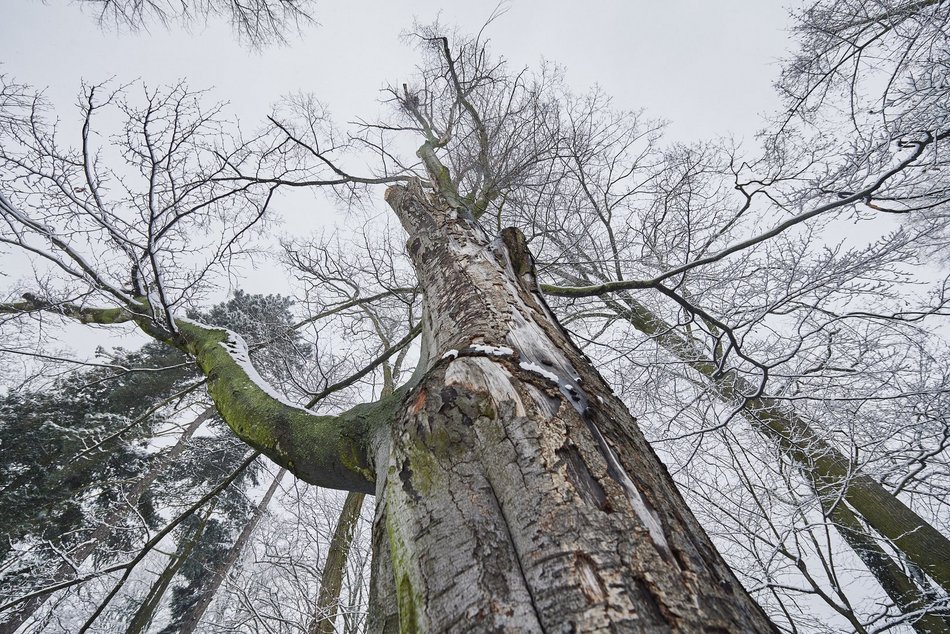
(541, 356)
(529, 587)
(641, 506)
(583, 480)
(649, 599)
(554, 367)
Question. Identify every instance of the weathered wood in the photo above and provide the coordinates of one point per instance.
(516, 492)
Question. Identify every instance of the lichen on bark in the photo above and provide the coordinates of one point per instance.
(488, 526)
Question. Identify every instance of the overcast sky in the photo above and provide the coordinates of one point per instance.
(706, 67)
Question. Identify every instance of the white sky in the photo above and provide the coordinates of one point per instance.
(706, 67)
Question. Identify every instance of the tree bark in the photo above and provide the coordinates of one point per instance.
(515, 491)
(331, 581)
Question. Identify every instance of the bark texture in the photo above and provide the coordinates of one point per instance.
(515, 492)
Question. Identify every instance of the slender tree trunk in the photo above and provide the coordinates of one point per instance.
(907, 596)
(145, 613)
(331, 581)
(189, 622)
(830, 473)
(515, 491)
(105, 528)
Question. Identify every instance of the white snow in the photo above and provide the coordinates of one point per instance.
(537, 369)
(236, 348)
(451, 354)
(492, 351)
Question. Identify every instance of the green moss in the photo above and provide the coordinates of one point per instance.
(325, 450)
(406, 598)
(408, 622)
(424, 470)
(106, 316)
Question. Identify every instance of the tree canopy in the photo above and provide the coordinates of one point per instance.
(773, 313)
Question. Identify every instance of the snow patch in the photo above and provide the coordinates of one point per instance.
(537, 369)
(236, 348)
(492, 351)
(451, 354)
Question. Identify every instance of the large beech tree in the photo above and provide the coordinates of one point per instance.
(514, 490)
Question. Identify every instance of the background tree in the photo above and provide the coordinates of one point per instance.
(258, 22)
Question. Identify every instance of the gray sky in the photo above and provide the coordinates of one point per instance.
(706, 67)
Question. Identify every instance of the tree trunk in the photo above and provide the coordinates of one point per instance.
(331, 581)
(146, 612)
(830, 473)
(907, 596)
(515, 491)
(79, 555)
(189, 622)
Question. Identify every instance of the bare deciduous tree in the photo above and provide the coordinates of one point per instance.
(793, 380)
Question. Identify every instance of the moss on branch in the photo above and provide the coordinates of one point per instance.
(83, 314)
(329, 451)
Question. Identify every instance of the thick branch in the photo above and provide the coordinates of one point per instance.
(329, 451)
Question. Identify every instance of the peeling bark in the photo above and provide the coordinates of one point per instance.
(515, 491)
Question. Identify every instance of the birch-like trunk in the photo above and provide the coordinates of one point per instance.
(515, 492)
